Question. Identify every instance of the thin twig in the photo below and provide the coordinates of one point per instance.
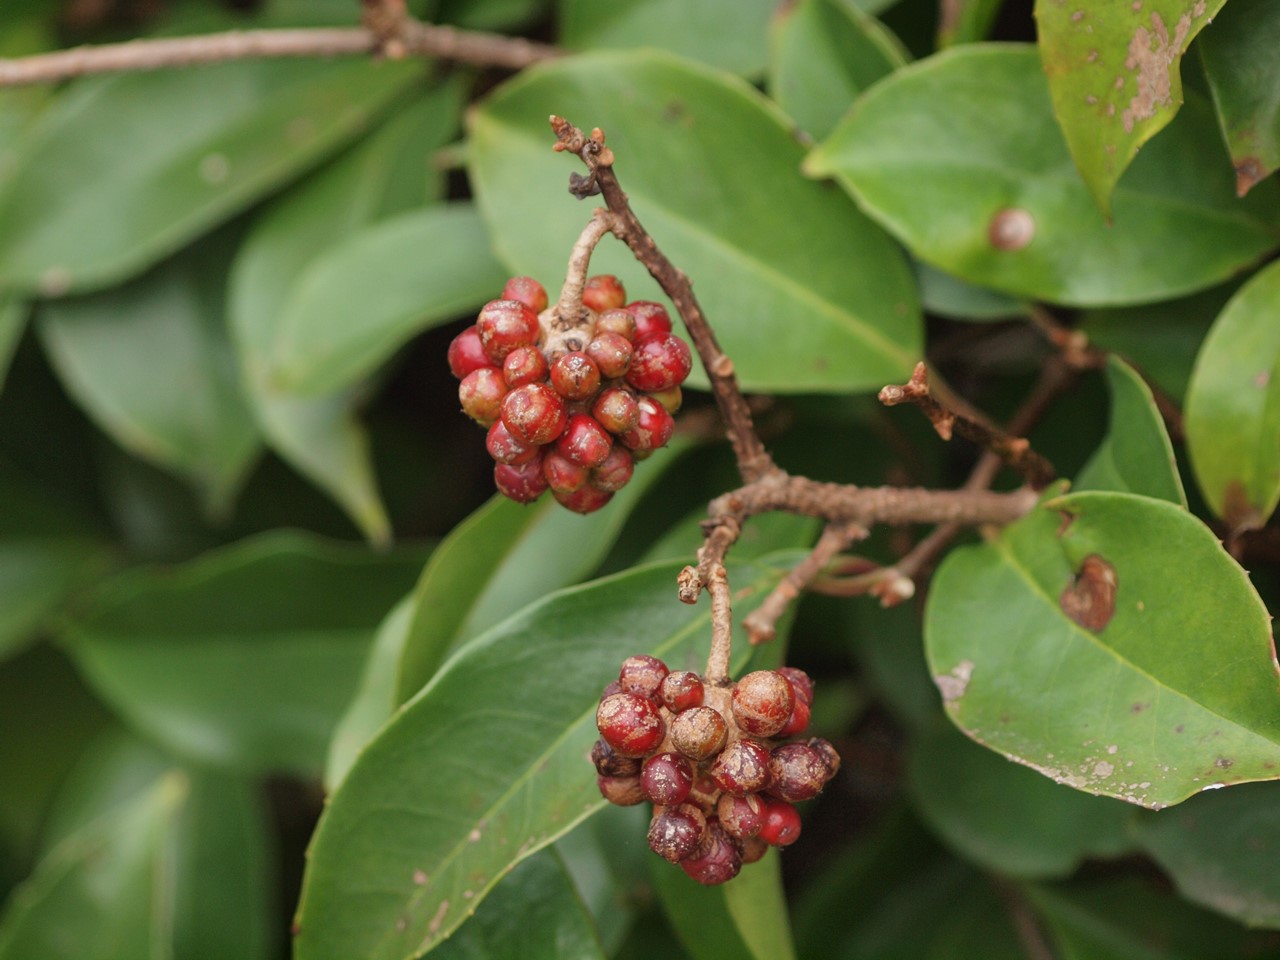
(761, 623)
(414, 38)
(568, 325)
(717, 671)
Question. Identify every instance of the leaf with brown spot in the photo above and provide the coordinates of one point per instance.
(1090, 598)
(1113, 68)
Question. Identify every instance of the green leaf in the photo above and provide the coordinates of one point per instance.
(486, 765)
(966, 21)
(152, 364)
(320, 437)
(959, 157)
(728, 34)
(13, 321)
(949, 296)
(1136, 456)
(244, 657)
(1244, 77)
(1114, 76)
(1220, 848)
(505, 556)
(37, 577)
(81, 212)
(1233, 406)
(824, 53)
(358, 302)
(804, 293)
(1005, 817)
(533, 912)
(1171, 688)
(94, 896)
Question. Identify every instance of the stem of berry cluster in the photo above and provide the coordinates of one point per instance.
(568, 323)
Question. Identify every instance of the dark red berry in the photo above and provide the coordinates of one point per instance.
(781, 823)
(741, 817)
(622, 791)
(642, 674)
(506, 447)
(650, 317)
(575, 376)
(742, 767)
(801, 683)
(466, 353)
(797, 772)
(586, 499)
(630, 724)
(667, 778)
(699, 732)
(528, 291)
(609, 764)
(616, 321)
(535, 413)
(799, 721)
(584, 441)
(753, 849)
(716, 860)
(611, 353)
(603, 292)
(675, 833)
(505, 325)
(524, 365)
(612, 687)
(653, 428)
(681, 690)
(563, 475)
(614, 473)
(521, 482)
(705, 793)
(616, 409)
(659, 361)
(762, 703)
(481, 393)
(828, 753)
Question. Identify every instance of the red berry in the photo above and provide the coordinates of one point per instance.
(781, 823)
(616, 321)
(630, 724)
(681, 690)
(575, 376)
(799, 720)
(699, 732)
(671, 399)
(659, 361)
(716, 860)
(742, 767)
(705, 793)
(584, 441)
(535, 413)
(614, 473)
(466, 353)
(653, 429)
(642, 674)
(586, 499)
(675, 833)
(506, 447)
(741, 817)
(798, 772)
(563, 475)
(603, 292)
(650, 317)
(481, 393)
(622, 791)
(609, 764)
(762, 703)
(528, 291)
(505, 325)
(753, 848)
(521, 482)
(524, 365)
(611, 352)
(667, 779)
(616, 409)
(828, 753)
(800, 682)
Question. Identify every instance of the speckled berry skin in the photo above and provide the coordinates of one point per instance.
(681, 689)
(521, 482)
(650, 317)
(535, 413)
(481, 394)
(621, 791)
(659, 362)
(563, 475)
(676, 832)
(466, 353)
(642, 674)
(584, 441)
(616, 409)
(586, 499)
(741, 817)
(667, 778)
(528, 291)
(505, 447)
(742, 767)
(524, 365)
(603, 292)
(615, 472)
(699, 732)
(654, 427)
(797, 772)
(611, 353)
(575, 376)
(762, 703)
(630, 723)
(716, 860)
(504, 325)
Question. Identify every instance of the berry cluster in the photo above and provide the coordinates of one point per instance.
(711, 760)
(570, 414)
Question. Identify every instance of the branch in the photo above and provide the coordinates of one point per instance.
(761, 623)
(412, 38)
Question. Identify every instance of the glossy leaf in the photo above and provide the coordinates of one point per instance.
(1136, 456)
(1244, 75)
(504, 557)
(1171, 689)
(966, 21)
(1002, 816)
(1114, 73)
(949, 296)
(13, 321)
(959, 157)
(1233, 406)
(728, 34)
(1219, 848)
(37, 576)
(486, 765)
(152, 364)
(320, 436)
(81, 212)
(245, 657)
(805, 294)
(824, 53)
(357, 303)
